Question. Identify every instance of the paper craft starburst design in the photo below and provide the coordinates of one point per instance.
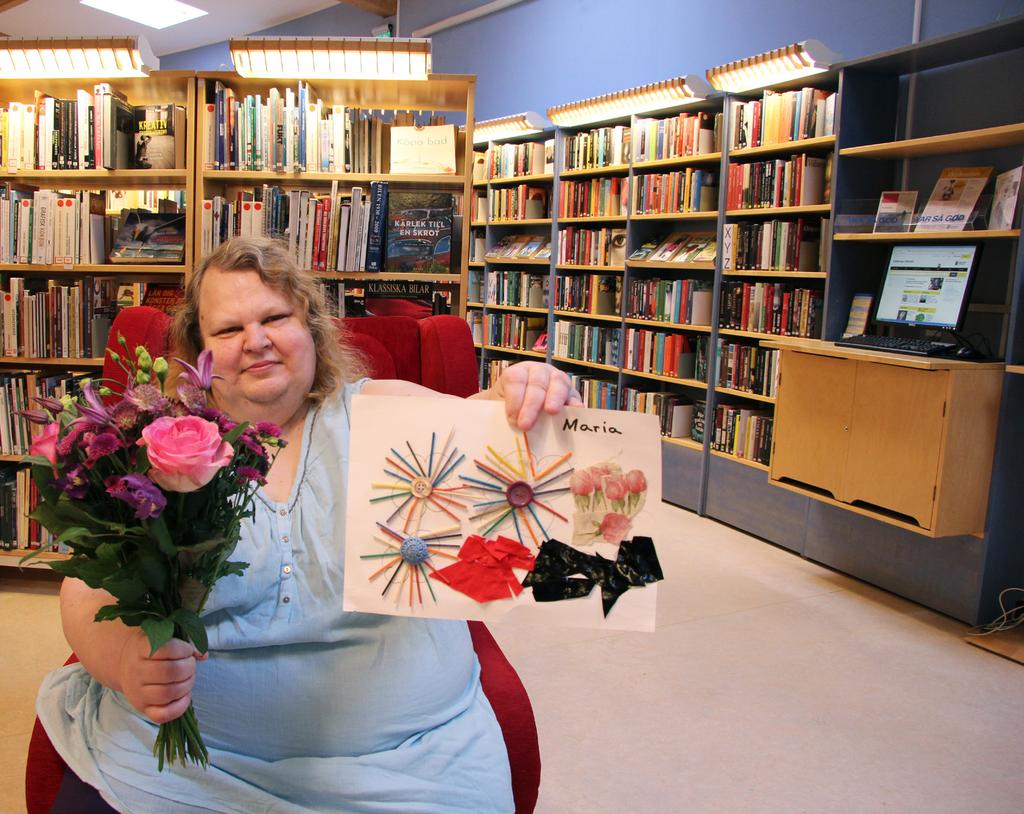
(409, 556)
(418, 487)
(515, 493)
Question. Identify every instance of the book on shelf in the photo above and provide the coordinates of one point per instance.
(522, 246)
(419, 232)
(895, 211)
(1004, 201)
(159, 137)
(423, 150)
(115, 131)
(953, 199)
(166, 297)
(512, 160)
(782, 116)
(689, 190)
(796, 181)
(667, 249)
(860, 310)
(598, 147)
(479, 165)
(688, 134)
(148, 237)
(646, 249)
(774, 245)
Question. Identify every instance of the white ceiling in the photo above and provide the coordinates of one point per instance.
(226, 19)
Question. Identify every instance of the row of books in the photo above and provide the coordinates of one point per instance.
(296, 131)
(589, 293)
(770, 307)
(778, 245)
(781, 116)
(687, 134)
(521, 247)
(748, 367)
(57, 319)
(797, 181)
(586, 342)
(15, 395)
(45, 227)
(674, 411)
(519, 288)
(374, 230)
(599, 394)
(591, 247)
(512, 160)
(689, 190)
(678, 247)
(17, 499)
(598, 147)
(742, 432)
(596, 197)
(493, 370)
(513, 330)
(685, 302)
(516, 203)
(97, 129)
(658, 352)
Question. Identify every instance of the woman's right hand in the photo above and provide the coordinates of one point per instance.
(158, 685)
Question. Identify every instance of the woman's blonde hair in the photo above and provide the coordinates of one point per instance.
(336, 360)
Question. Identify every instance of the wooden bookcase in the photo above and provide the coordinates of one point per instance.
(439, 93)
(177, 87)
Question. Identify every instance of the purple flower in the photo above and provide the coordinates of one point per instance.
(248, 473)
(147, 397)
(67, 444)
(93, 411)
(194, 398)
(100, 446)
(268, 428)
(202, 374)
(53, 406)
(139, 492)
(125, 415)
(36, 416)
(74, 483)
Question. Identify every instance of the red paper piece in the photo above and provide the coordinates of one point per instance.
(484, 569)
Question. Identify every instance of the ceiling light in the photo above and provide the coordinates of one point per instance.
(331, 57)
(76, 57)
(519, 124)
(153, 13)
(772, 67)
(680, 90)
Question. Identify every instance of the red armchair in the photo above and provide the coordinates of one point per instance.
(438, 353)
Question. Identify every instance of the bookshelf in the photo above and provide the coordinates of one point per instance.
(440, 94)
(512, 207)
(122, 188)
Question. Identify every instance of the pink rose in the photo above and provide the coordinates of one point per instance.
(185, 452)
(614, 527)
(636, 482)
(581, 483)
(615, 488)
(45, 443)
(598, 471)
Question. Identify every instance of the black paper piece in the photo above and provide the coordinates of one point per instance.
(563, 572)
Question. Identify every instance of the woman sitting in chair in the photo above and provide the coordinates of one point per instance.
(304, 708)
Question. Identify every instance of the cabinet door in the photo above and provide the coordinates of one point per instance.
(812, 417)
(895, 438)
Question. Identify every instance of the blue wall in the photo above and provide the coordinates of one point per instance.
(542, 53)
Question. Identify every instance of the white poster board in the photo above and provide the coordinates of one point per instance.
(427, 474)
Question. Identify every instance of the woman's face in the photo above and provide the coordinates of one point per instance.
(260, 344)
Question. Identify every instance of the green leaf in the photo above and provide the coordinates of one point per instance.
(73, 533)
(193, 628)
(124, 585)
(40, 461)
(108, 552)
(142, 464)
(230, 568)
(158, 631)
(154, 570)
(238, 429)
(163, 537)
(108, 613)
(208, 545)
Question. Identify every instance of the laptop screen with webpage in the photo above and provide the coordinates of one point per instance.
(927, 286)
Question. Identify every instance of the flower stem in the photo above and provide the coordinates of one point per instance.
(179, 741)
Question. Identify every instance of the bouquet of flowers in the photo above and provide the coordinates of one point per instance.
(148, 492)
(606, 502)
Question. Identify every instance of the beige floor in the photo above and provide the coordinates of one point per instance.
(771, 685)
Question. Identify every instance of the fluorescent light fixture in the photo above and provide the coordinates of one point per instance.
(519, 124)
(331, 57)
(76, 57)
(772, 67)
(680, 90)
(154, 13)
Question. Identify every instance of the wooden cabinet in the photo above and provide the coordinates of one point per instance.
(907, 440)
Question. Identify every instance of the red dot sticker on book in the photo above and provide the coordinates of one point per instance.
(207, 205)
(246, 207)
